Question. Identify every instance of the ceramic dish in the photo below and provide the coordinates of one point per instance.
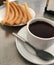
(2, 10)
(28, 53)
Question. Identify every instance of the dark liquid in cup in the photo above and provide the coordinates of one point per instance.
(42, 29)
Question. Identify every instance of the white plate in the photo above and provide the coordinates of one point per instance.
(2, 14)
(28, 53)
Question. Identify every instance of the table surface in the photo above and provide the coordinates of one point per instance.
(8, 52)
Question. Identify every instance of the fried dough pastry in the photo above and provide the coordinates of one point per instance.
(16, 13)
(24, 20)
(12, 14)
(20, 15)
(27, 11)
(7, 13)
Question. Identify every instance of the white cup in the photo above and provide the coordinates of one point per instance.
(39, 42)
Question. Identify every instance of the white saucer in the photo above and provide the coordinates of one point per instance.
(27, 52)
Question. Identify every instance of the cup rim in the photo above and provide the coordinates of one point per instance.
(43, 19)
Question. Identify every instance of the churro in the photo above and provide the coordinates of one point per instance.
(7, 13)
(16, 13)
(21, 15)
(24, 20)
(12, 14)
(27, 11)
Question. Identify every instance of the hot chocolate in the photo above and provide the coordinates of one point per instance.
(42, 29)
